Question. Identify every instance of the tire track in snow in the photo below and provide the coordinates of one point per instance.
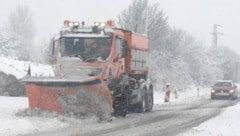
(188, 115)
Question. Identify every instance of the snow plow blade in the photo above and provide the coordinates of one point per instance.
(69, 95)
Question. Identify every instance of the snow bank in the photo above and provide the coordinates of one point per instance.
(20, 68)
(14, 67)
(226, 124)
(12, 125)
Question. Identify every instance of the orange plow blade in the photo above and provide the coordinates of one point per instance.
(71, 97)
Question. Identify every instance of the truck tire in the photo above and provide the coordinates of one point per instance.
(121, 103)
(149, 103)
(150, 99)
(142, 106)
(120, 107)
(124, 110)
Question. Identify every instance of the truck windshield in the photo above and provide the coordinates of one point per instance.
(88, 49)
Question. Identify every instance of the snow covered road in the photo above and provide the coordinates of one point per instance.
(166, 119)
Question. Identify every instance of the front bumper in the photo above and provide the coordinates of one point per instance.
(222, 94)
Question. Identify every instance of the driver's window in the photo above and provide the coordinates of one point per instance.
(119, 42)
(118, 46)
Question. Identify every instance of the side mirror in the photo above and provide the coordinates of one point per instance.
(51, 56)
(51, 46)
(123, 49)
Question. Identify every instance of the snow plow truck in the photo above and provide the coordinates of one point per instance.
(98, 68)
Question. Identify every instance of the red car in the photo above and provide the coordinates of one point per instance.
(224, 88)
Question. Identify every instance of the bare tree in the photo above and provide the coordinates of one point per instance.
(134, 17)
(20, 21)
(140, 16)
(21, 26)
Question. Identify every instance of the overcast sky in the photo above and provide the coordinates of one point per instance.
(195, 16)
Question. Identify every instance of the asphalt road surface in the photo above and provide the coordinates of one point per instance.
(166, 120)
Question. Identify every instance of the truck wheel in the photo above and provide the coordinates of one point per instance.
(120, 108)
(121, 103)
(123, 108)
(142, 106)
(149, 103)
(150, 99)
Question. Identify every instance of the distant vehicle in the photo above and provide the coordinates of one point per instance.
(224, 88)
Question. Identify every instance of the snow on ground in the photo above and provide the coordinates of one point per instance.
(14, 67)
(190, 93)
(20, 68)
(225, 124)
(12, 125)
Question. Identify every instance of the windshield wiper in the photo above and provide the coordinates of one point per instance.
(92, 58)
(78, 56)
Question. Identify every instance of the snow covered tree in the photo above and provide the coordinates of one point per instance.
(9, 43)
(20, 21)
(21, 28)
(147, 19)
(225, 59)
(175, 56)
(144, 18)
(134, 18)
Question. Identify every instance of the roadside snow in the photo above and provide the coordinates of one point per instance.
(226, 124)
(20, 68)
(12, 125)
(14, 67)
(181, 95)
(28, 123)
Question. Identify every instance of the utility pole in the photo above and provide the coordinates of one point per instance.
(215, 35)
(146, 20)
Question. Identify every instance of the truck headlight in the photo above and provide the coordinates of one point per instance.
(212, 91)
(231, 91)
